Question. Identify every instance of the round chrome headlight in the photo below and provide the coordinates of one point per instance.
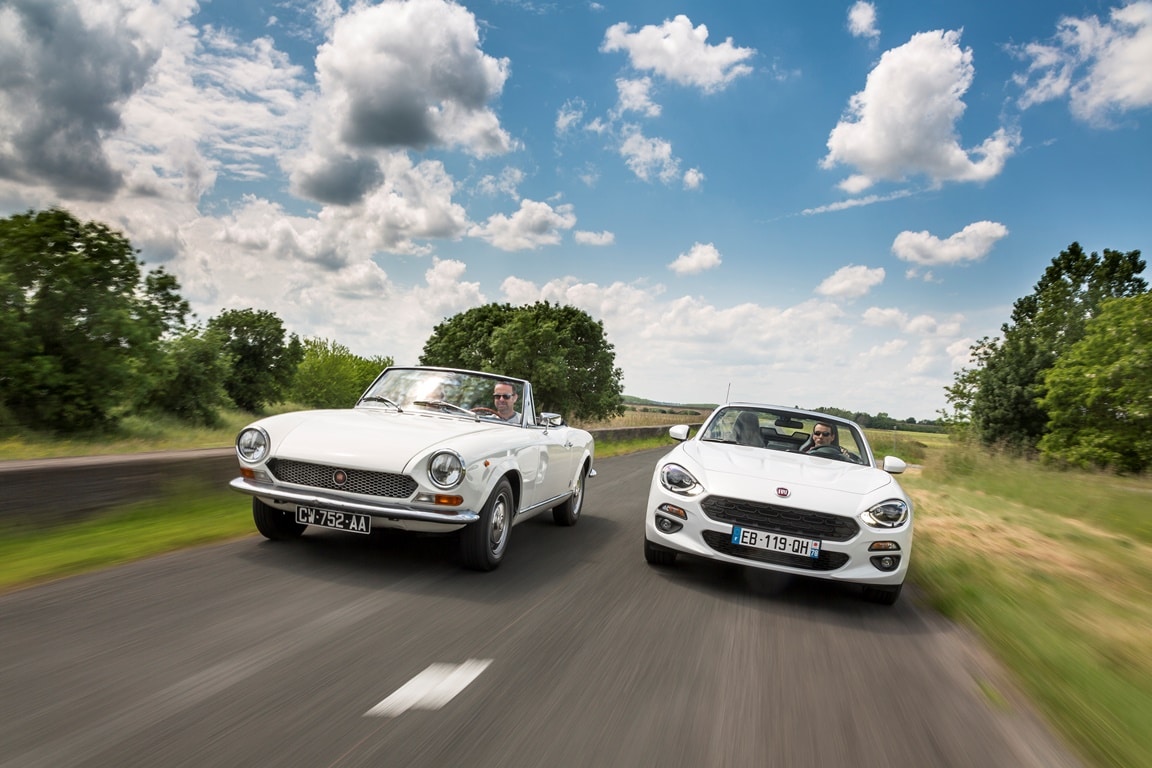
(446, 469)
(887, 514)
(252, 445)
(679, 480)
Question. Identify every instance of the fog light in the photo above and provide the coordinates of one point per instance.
(886, 562)
(667, 525)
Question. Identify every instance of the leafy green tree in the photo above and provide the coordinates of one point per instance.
(1099, 393)
(78, 321)
(264, 361)
(187, 381)
(1005, 406)
(330, 376)
(560, 349)
(465, 340)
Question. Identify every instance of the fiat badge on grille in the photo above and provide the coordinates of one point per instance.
(783, 493)
(339, 478)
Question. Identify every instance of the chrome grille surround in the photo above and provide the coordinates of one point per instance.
(385, 484)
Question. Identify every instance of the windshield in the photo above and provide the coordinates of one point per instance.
(780, 430)
(460, 393)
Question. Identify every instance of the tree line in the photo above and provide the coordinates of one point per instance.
(1070, 376)
(87, 337)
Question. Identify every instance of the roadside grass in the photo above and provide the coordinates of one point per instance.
(135, 434)
(1054, 570)
(186, 516)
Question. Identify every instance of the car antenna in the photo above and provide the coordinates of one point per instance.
(728, 394)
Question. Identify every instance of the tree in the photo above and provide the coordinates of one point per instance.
(1005, 406)
(78, 325)
(465, 340)
(188, 380)
(330, 376)
(560, 349)
(263, 362)
(1099, 393)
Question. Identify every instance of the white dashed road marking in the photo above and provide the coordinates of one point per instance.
(431, 689)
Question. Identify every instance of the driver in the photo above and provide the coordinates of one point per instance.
(824, 436)
(505, 396)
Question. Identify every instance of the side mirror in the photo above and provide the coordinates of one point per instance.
(893, 465)
(550, 420)
(679, 432)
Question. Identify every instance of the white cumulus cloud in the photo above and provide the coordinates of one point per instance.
(904, 121)
(970, 244)
(700, 257)
(680, 52)
(851, 282)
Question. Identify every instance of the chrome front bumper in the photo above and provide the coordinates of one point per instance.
(337, 504)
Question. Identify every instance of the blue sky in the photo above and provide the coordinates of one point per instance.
(814, 204)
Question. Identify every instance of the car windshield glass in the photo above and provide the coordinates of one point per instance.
(779, 430)
(456, 393)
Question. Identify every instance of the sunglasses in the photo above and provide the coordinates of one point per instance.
(822, 434)
(500, 396)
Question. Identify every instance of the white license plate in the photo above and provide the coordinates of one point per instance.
(340, 521)
(776, 542)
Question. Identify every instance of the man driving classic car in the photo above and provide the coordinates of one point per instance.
(504, 395)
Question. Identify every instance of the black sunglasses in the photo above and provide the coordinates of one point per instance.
(822, 434)
(500, 396)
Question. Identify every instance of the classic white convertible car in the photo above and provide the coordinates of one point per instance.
(785, 490)
(424, 449)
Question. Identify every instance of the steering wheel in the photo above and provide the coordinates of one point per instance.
(481, 410)
(828, 452)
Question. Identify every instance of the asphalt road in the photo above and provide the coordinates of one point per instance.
(344, 651)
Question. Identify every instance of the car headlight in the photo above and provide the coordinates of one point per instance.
(252, 445)
(679, 480)
(446, 469)
(887, 514)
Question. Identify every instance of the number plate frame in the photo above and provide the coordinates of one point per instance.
(776, 542)
(349, 522)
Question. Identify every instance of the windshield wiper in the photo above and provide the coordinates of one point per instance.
(378, 399)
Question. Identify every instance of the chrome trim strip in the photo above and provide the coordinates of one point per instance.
(393, 511)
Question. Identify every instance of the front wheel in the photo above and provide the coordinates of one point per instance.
(569, 512)
(482, 543)
(275, 524)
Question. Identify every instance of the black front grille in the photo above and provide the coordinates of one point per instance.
(779, 519)
(827, 561)
(385, 484)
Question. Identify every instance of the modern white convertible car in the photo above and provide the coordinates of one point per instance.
(785, 490)
(424, 449)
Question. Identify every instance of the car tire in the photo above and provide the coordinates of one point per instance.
(483, 543)
(658, 555)
(568, 513)
(275, 524)
(883, 595)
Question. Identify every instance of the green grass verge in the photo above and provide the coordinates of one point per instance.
(186, 517)
(1054, 570)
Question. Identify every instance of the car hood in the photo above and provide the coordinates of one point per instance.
(368, 436)
(729, 469)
